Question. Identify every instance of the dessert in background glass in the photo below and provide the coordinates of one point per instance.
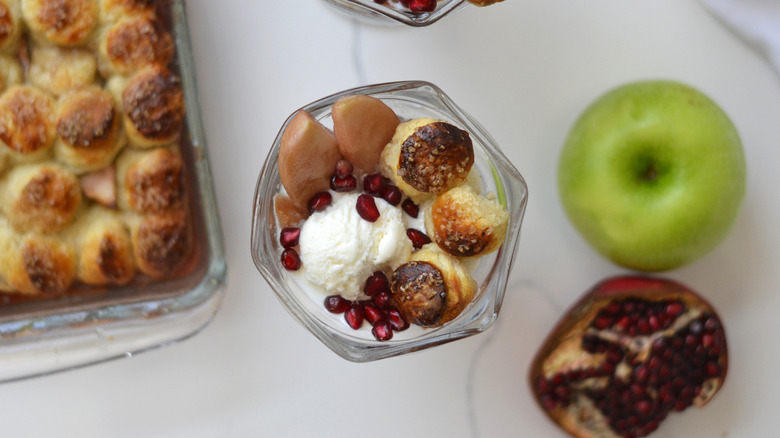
(392, 11)
(409, 101)
(140, 260)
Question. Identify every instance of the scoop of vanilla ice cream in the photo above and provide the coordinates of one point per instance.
(340, 250)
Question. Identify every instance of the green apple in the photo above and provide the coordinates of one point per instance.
(652, 174)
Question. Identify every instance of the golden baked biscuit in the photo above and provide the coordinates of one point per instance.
(427, 157)
(161, 242)
(59, 70)
(33, 264)
(10, 25)
(89, 130)
(103, 248)
(432, 288)
(153, 102)
(150, 181)
(465, 223)
(132, 43)
(61, 22)
(113, 10)
(27, 122)
(41, 198)
(388, 161)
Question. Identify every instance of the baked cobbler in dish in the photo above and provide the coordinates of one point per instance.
(93, 188)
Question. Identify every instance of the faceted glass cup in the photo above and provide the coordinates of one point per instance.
(409, 100)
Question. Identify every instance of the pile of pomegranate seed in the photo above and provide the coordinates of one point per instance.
(648, 357)
(377, 186)
(288, 238)
(343, 180)
(624, 317)
(377, 310)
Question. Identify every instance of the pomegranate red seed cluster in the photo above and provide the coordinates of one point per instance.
(391, 175)
(647, 348)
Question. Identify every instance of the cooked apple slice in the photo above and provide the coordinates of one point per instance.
(363, 126)
(308, 154)
(287, 213)
(100, 186)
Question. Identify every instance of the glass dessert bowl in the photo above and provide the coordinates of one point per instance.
(392, 11)
(311, 299)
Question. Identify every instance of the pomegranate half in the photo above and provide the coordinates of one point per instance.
(629, 352)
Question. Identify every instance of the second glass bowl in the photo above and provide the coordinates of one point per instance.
(388, 13)
(409, 100)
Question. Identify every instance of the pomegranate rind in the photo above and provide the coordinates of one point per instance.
(569, 331)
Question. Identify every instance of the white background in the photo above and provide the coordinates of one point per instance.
(524, 69)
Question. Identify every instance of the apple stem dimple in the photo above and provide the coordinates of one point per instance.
(651, 173)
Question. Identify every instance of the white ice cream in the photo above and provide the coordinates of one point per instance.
(340, 250)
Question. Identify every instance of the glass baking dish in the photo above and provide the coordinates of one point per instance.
(92, 325)
(373, 12)
(409, 100)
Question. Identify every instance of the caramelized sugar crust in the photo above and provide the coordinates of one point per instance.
(154, 103)
(154, 183)
(135, 42)
(26, 119)
(61, 22)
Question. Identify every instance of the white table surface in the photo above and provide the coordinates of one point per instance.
(524, 69)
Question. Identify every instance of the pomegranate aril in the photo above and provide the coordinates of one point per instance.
(410, 208)
(374, 184)
(289, 236)
(344, 168)
(418, 238)
(397, 322)
(710, 325)
(548, 402)
(291, 260)
(343, 183)
(381, 299)
(422, 5)
(377, 282)
(366, 208)
(391, 194)
(355, 316)
(612, 308)
(320, 201)
(654, 323)
(600, 323)
(675, 309)
(713, 370)
(372, 313)
(382, 330)
(337, 304)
